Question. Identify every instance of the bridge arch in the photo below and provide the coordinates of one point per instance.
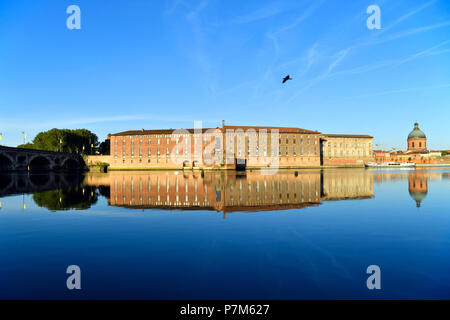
(21, 158)
(39, 163)
(70, 164)
(5, 182)
(6, 163)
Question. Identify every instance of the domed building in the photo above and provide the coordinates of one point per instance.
(417, 140)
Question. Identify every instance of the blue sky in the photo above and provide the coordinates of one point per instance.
(163, 64)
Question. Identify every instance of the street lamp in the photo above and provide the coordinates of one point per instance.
(24, 136)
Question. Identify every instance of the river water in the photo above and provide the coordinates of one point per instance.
(305, 234)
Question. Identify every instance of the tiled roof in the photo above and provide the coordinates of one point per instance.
(347, 136)
(155, 131)
(143, 132)
(280, 129)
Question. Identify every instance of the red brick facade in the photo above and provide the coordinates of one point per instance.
(222, 148)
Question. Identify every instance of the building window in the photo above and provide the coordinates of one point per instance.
(420, 144)
(413, 144)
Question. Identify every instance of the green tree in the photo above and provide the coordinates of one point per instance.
(26, 146)
(104, 147)
(65, 140)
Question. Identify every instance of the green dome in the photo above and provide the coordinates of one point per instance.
(418, 196)
(416, 133)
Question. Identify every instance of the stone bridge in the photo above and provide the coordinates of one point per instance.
(19, 159)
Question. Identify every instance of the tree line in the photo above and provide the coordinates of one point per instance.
(80, 141)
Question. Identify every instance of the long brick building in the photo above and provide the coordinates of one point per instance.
(231, 147)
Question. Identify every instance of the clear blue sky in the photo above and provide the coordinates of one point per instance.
(163, 64)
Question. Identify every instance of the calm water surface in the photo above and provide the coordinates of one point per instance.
(223, 235)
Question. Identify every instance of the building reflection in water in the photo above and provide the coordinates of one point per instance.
(232, 191)
(418, 186)
(222, 191)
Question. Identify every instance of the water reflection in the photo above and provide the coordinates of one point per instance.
(232, 191)
(418, 186)
(19, 183)
(218, 191)
(78, 197)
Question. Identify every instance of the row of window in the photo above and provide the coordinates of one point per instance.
(168, 139)
(353, 145)
(347, 153)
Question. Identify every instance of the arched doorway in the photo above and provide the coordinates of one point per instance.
(39, 164)
(5, 163)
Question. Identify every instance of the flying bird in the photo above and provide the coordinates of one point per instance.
(286, 78)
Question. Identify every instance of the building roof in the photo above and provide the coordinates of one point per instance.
(347, 136)
(280, 129)
(416, 133)
(143, 132)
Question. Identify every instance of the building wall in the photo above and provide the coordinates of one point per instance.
(417, 144)
(295, 148)
(155, 151)
(347, 150)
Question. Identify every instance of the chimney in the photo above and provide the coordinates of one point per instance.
(223, 124)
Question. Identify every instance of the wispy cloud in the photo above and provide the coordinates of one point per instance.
(414, 31)
(302, 17)
(268, 11)
(60, 123)
(339, 57)
(407, 15)
(388, 92)
(394, 62)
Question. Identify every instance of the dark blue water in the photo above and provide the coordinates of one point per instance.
(129, 245)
